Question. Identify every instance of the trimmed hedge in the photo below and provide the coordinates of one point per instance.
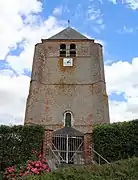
(116, 141)
(17, 143)
(121, 170)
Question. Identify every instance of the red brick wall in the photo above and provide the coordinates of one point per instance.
(87, 149)
(47, 142)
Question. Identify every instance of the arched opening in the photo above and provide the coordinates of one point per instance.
(68, 119)
(68, 143)
(62, 50)
(73, 50)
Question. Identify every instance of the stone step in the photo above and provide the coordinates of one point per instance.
(52, 164)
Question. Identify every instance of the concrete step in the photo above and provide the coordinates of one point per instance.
(52, 164)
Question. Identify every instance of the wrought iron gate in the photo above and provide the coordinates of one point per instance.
(68, 149)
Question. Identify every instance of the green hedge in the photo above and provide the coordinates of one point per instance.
(116, 141)
(17, 143)
(121, 170)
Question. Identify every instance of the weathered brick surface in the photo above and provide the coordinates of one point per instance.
(87, 148)
(55, 89)
(47, 142)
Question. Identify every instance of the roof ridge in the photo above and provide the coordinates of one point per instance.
(68, 33)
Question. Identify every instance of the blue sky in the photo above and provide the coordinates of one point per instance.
(115, 18)
(111, 22)
(119, 21)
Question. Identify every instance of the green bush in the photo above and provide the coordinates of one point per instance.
(1, 175)
(121, 170)
(116, 141)
(17, 143)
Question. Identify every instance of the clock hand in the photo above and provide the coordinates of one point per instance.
(68, 61)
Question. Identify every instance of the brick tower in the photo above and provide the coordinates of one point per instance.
(67, 85)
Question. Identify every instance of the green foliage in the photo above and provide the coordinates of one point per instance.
(116, 141)
(17, 143)
(1, 175)
(121, 170)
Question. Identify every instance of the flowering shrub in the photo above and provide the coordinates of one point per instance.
(121, 170)
(36, 167)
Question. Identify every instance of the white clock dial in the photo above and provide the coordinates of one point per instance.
(67, 62)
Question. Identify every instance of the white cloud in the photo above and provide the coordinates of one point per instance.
(119, 111)
(133, 4)
(20, 26)
(79, 10)
(26, 34)
(113, 1)
(95, 16)
(122, 78)
(58, 11)
(32, 34)
(11, 22)
(126, 30)
(13, 94)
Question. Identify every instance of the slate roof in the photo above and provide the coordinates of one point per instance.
(68, 131)
(68, 33)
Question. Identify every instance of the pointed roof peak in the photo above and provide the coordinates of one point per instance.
(68, 33)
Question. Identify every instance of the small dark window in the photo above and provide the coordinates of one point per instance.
(68, 120)
(62, 50)
(73, 50)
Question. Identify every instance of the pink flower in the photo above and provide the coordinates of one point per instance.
(34, 170)
(40, 156)
(32, 167)
(20, 174)
(47, 170)
(29, 166)
(26, 173)
(32, 163)
(10, 169)
(37, 164)
(39, 161)
(44, 166)
(44, 160)
(40, 169)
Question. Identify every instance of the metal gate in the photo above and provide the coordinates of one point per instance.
(68, 149)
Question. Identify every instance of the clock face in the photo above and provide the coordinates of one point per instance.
(67, 62)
